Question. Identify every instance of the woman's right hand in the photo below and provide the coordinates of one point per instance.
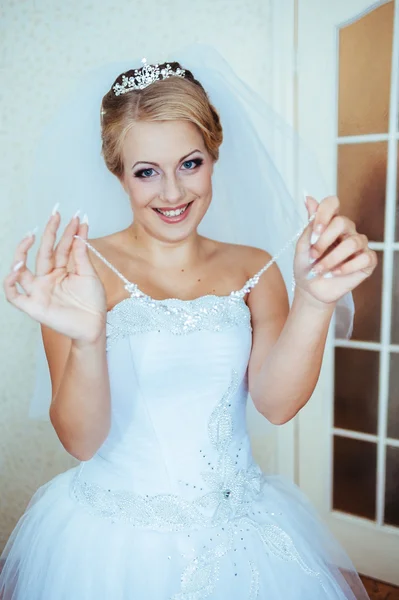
(73, 301)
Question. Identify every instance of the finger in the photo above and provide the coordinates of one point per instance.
(311, 204)
(83, 265)
(24, 275)
(45, 254)
(339, 227)
(366, 261)
(349, 247)
(13, 295)
(352, 280)
(325, 212)
(64, 247)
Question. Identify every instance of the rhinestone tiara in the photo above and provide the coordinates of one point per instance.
(144, 76)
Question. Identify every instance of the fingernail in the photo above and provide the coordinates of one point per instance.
(305, 197)
(312, 260)
(76, 214)
(314, 238)
(85, 219)
(55, 209)
(18, 265)
(31, 233)
(316, 233)
(328, 275)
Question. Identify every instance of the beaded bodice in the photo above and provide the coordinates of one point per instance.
(178, 452)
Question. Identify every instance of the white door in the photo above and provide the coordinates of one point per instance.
(347, 110)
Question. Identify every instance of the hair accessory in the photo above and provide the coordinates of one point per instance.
(144, 76)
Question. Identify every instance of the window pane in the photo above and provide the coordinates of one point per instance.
(365, 56)
(362, 173)
(356, 390)
(393, 406)
(354, 477)
(367, 298)
(392, 487)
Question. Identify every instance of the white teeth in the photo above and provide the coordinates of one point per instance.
(172, 213)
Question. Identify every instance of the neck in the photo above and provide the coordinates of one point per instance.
(164, 253)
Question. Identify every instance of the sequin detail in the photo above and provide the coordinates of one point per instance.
(226, 506)
(231, 490)
(200, 577)
(140, 314)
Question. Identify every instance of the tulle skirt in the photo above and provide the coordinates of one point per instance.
(280, 550)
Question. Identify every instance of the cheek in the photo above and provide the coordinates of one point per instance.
(204, 183)
(141, 192)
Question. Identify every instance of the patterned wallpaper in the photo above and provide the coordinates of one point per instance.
(44, 46)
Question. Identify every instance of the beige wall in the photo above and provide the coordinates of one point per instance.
(44, 46)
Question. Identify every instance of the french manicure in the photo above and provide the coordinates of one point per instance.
(328, 275)
(316, 234)
(76, 214)
(85, 219)
(55, 209)
(314, 238)
(18, 265)
(31, 233)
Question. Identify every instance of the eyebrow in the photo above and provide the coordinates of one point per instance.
(145, 162)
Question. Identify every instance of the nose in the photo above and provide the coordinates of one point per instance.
(172, 190)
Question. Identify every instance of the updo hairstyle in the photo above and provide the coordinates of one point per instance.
(170, 99)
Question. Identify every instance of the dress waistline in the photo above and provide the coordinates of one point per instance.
(221, 503)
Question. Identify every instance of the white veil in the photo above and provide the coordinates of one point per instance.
(258, 180)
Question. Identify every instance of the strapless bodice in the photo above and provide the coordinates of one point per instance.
(178, 376)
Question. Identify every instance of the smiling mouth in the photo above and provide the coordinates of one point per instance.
(177, 212)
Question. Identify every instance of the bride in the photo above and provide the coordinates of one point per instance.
(154, 335)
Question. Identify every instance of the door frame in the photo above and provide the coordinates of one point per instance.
(316, 60)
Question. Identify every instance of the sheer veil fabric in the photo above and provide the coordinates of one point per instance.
(257, 187)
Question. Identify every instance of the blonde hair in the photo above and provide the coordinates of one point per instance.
(169, 99)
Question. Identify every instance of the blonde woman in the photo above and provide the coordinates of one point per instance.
(154, 334)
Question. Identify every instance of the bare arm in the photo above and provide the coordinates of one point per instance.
(287, 350)
(80, 407)
(66, 296)
(288, 345)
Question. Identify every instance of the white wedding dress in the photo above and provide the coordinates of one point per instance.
(173, 506)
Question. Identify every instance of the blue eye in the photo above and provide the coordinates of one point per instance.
(144, 173)
(189, 165)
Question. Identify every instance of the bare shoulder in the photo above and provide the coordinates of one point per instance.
(254, 258)
(268, 298)
(247, 259)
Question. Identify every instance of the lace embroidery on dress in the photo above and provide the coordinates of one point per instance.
(200, 577)
(231, 490)
(179, 317)
(227, 505)
(141, 315)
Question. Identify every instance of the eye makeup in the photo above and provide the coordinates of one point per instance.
(146, 173)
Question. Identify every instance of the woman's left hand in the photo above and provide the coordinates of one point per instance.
(331, 257)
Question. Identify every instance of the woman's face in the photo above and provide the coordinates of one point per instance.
(168, 176)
